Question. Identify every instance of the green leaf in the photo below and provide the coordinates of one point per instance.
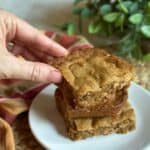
(127, 4)
(68, 27)
(145, 29)
(86, 12)
(136, 18)
(94, 27)
(148, 5)
(120, 21)
(134, 7)
(106, 8)
(122, 6)
(111, 17)
(71, 28)
(146, 57)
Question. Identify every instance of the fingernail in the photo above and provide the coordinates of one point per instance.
(64, 52)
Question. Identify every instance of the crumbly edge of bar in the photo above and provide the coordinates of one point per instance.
(106, 98)
(87, 127)
(92, 83)
(70, 112)
(92, 123)
(121, 128)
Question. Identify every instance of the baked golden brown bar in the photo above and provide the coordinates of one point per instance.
(93, 76)
(70, 111)
(79, 128)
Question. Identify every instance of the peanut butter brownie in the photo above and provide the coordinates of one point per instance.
(80, 128)
(94, 76)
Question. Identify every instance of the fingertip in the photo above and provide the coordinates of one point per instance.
(65, 53)
(47, 74)
(60, 50)
(55, 76)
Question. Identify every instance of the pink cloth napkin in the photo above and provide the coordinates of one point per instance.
(17, 95)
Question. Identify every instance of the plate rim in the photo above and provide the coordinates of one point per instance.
(30, 126)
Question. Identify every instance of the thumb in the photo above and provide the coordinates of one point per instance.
(35, 71)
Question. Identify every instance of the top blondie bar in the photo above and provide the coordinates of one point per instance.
(93, 70)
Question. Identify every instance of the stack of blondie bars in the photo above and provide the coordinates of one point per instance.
(92, 98)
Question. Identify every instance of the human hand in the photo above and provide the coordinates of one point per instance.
(31, 44)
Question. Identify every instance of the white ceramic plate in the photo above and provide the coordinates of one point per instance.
(48, 127)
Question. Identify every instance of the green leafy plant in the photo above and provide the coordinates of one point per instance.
(127, 19)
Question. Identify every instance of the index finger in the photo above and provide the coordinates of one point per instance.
(33, 38)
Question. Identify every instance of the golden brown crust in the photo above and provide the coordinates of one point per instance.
(110, 97)
(93, 69)
(79, 128)
(70, 111)
(87, 124)
(121, 128)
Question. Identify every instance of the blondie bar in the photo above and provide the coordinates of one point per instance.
(94, 77)
(70, 111)
(80, 128)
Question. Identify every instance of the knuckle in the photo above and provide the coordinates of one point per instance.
(35, 72)
(7, 24)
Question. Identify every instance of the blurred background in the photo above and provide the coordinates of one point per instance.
(122, 27)
(40, 13)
